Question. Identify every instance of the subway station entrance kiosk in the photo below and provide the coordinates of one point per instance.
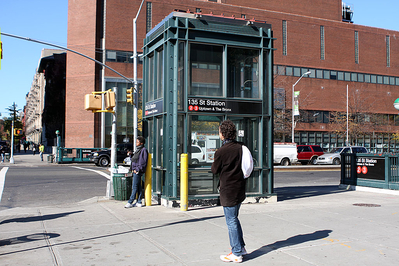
(198, 71)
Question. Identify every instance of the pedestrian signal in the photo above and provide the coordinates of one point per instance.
(17, 132)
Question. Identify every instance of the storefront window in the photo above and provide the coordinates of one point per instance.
(242, 73)
(206, 61)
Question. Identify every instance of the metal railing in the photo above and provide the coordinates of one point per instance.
(74, 154)
(370, 170)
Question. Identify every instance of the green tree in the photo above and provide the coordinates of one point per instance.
(14, 116)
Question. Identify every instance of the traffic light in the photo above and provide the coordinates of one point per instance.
(17, 132)
(109, 100)
(129, 95)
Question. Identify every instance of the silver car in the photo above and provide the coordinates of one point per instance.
(334, 156)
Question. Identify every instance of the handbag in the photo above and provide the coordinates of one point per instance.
(247, 163)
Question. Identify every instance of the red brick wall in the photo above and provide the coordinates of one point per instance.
(304, 19)
(80, 76)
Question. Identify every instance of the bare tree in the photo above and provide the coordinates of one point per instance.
(359, 119)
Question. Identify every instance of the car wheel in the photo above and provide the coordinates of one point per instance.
(285, 162)
(336, 161)
(194, 161)
(313, 161)
(104, 161)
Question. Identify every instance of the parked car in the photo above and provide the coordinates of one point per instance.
(197, 155)
(103, 157)
(285, 153)
(334, 156)
(307, 154)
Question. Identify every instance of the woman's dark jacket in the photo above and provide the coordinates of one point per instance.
(227, 163)
(141, 164)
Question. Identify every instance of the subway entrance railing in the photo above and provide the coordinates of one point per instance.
(370, 170)
(74, 154)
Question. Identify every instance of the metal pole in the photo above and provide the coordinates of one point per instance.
(12, 141)
(347, 116)
(184, 182)
(292, 114)
(113, 137)
(70, 50)
(292, 111)
(110, 185)
(135, 74)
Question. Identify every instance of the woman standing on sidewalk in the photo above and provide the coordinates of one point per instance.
(137, 166)
(227, 164)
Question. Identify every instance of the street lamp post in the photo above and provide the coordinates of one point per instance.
(135, 75)
(292, 111)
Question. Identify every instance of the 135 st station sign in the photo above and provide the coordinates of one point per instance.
(224, 106)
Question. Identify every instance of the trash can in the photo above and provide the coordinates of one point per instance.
(122, 186)
(50, 158)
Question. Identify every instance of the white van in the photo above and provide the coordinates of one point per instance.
(285, 153)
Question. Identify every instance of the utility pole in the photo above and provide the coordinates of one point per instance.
(135, 75)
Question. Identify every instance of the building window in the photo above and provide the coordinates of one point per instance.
(356, 47)
(284, 37)
(347, 76)
(322, 44)
(319, 73)
(297, 72)
(149, 17)
(120, 57)
(288, 71)
(388, 51)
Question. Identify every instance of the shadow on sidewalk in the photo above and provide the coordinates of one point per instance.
(38, 218)
(51, 235)
(27, 238)
(290, 193)
(292, 241)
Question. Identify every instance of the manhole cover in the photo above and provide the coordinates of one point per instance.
(366, 205)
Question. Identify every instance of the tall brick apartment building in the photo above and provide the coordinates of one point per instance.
(318, 37)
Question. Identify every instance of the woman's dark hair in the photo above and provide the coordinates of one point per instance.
(141, 139)
(228, 130)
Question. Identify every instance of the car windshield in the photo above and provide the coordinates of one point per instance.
(336, 150)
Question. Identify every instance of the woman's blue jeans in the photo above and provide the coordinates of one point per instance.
(136, 189)
(234, 227)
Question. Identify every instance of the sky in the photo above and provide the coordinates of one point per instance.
(46, 20)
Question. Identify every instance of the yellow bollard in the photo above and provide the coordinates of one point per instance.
(183, 182)
(148, 181)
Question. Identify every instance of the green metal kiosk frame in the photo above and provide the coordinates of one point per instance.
(198, 71)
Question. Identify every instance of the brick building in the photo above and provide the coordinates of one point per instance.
(319, 38)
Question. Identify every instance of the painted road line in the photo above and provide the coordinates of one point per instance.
(95, 171)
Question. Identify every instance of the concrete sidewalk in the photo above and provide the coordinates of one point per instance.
(307, 226)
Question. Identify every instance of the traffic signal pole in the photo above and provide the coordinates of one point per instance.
(12, 143)
(135, 74)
